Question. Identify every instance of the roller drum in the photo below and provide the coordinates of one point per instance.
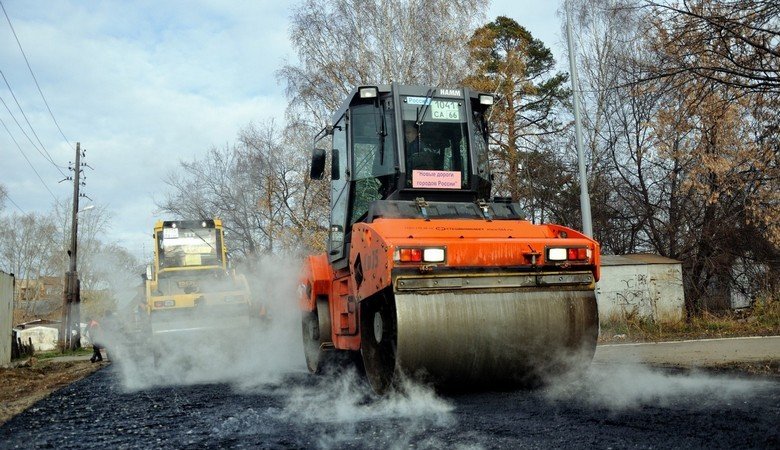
(464, 338)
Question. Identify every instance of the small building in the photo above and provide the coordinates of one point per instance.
(640, 286)
(6, 316)
(43, 333)
(41, 288)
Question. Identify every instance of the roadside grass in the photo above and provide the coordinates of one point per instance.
(55, 353)
(763, 319)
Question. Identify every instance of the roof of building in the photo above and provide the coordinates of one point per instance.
(636, 259)
(38, 323)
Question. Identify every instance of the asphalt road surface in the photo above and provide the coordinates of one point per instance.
(614, 405)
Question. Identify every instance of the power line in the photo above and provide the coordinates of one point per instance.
(14, 203)
(28, 137)
(48, 155)
(33, 75)
(28, 160)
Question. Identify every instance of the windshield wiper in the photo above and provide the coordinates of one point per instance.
(205, 241)
(426, 104)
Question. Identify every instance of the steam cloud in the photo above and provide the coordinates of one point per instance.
(268, 359)
(341, 406)
(630, 385)
(247, 353)
(347, 407)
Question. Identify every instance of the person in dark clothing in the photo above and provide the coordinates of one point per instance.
(94, 335)
(419, 157)
(411, 134)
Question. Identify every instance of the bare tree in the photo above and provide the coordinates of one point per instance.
(92, 225)
(114, 280)
(730, 42)
(216, 186)
(295, 206)
(3, 196)
(34, 246)
(258, 187)
(606, 35)
(29, 244)
(688, 158)
(342, 44)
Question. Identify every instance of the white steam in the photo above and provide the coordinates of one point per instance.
(344, 406)
(629, 386)
(246, 352)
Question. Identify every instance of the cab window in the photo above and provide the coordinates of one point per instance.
(436, 143)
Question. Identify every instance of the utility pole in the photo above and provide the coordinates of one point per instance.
(587, 225)
(71, 307)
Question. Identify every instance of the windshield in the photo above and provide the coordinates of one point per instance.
(436, 143)
(187, 247)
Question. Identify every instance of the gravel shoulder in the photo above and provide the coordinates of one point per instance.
(758, 355)
(33, 380)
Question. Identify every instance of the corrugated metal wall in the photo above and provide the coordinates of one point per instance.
(6, 316)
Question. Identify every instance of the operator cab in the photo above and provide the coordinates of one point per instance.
(188, 244)
(402, 143)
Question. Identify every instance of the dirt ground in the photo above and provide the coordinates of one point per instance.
(24, 385)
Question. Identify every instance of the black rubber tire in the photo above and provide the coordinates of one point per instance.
(378, 356)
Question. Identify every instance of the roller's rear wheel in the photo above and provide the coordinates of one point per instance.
(316, 330)
(312, 348)
(378, 341)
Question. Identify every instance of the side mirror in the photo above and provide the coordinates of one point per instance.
(317, 164)
(335, 173)
(149, 272)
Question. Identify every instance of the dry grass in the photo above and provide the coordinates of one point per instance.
(761, 320)
(24, 385)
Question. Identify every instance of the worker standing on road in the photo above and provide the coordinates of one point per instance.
(95, 333)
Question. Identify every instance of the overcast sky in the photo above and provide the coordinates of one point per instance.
(145, 84)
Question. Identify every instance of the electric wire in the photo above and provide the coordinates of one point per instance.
(33, 75)
(27, 159)
(48, 155)
(7, 197)
(28, 138)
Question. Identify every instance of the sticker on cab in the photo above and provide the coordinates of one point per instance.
(436, 179)
(418, 101)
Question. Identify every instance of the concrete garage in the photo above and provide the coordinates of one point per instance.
(640, 286)
(44, 334)
(6, 316)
